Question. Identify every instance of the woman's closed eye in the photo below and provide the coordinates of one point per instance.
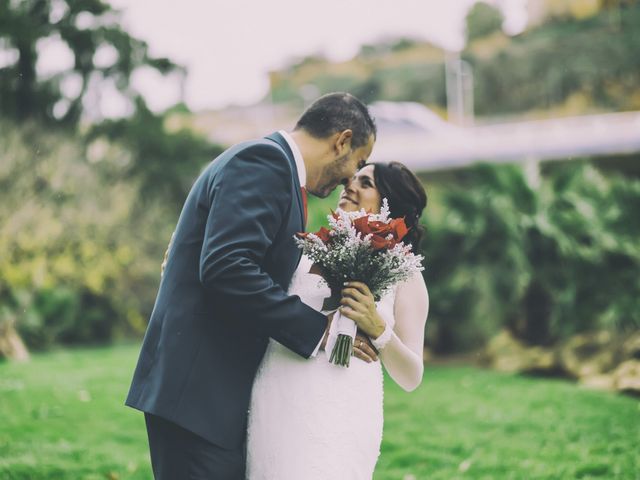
(365, 182)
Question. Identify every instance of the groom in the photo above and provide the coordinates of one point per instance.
(223, 292)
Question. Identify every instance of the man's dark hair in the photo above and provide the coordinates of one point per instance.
(336, 112)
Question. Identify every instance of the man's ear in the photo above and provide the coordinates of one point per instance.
(343, 142)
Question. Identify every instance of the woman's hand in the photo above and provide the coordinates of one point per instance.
(359, 305)
(362, 346)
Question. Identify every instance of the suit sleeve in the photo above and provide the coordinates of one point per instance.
(248, 201)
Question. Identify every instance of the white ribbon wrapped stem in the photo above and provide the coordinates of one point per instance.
(340, 325)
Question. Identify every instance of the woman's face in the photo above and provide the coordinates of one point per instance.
(361, 192)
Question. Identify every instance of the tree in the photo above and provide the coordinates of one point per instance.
(483, 20)
(89, 30)
(79, 263)
(164, 163)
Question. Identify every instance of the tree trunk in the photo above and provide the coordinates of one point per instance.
(25, 94)
(11, 345)
(537, 315)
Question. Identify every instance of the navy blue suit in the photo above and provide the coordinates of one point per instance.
(223, 294)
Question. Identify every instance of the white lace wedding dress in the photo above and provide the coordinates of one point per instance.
(311, 419)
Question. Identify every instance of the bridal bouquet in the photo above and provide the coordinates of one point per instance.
(363, 247)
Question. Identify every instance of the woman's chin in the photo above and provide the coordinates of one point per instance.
(347, 206)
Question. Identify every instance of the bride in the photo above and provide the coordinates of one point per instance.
(311, 419)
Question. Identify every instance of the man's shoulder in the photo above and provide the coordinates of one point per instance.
(265, 144)
(263, 154)
(262, 148)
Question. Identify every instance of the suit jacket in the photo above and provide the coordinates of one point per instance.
(223, 293)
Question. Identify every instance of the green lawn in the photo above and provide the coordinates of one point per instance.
(62, 416)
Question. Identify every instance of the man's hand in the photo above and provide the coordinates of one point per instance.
(323, 344)
(364, 349)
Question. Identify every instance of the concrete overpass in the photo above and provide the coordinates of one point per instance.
(555, 139)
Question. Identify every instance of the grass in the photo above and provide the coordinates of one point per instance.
(62, 416)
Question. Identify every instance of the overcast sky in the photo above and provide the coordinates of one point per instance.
(229, 46)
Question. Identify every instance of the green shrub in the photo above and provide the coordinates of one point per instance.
(80, 256)
(546, 258)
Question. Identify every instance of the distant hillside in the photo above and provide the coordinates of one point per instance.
(393, 70)
(569, 65)
(565, 65)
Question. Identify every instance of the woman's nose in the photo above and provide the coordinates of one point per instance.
(350, 186)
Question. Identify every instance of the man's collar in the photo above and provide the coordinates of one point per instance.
(297, 156)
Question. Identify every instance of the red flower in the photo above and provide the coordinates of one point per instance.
(381, 243)
(362, 225)
(399, 228)
(323, 234)
(379, 231)
(383, 235)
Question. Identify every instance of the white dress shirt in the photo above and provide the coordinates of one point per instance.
(302, 176)
(297, 156)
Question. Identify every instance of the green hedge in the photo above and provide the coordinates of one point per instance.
(82, 239)
(545, 256)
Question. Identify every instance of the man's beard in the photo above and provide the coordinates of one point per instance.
(330, 178)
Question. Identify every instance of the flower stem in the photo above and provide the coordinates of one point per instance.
(342, 351)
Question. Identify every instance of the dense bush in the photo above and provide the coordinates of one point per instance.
(80, 234)
(546, 257)
(81, 242)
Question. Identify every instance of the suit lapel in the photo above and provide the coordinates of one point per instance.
(279, 139)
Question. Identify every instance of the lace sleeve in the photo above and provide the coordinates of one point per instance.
(402, 356)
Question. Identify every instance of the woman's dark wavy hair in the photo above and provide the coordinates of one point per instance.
(406, 196)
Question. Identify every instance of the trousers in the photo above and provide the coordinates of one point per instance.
(178, 454)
